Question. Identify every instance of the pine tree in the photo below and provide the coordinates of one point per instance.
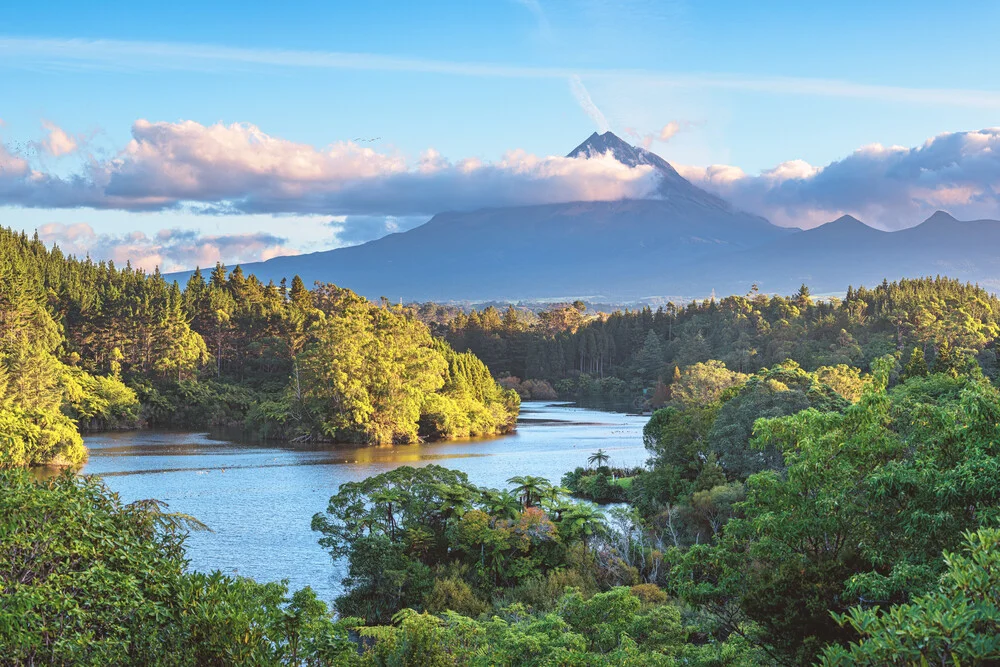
(916, 366)
(299, 295)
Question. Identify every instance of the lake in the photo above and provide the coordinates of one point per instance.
(259, 499)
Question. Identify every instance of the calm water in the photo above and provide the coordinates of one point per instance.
(259, 500)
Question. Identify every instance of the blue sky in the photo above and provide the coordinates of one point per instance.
(746, 85)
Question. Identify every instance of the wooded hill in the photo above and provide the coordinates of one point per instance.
(625, 357)
(90, 345)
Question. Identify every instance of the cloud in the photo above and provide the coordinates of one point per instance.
(887, 186)
(57, 143)
(240, 169)
(356, 229)
(157, 56)
(583, 99)
(168, 249)
(666, 133)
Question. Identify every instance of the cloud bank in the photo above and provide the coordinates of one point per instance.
(886, 186)
(240, 169)
(169, 249)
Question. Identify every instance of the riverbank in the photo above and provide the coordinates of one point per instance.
(259, 499)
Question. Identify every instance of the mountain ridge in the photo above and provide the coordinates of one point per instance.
(683, 242)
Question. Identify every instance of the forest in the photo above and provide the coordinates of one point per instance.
(858, 530)
(822, 488)
(627, 358)
(90, 346)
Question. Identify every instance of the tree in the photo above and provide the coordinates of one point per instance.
(916, 366)
(650, 358)
(70, 599)
(529, 488)
(599, 457)
(704, 383)
(582, 521)
(857, 517)
(958, 624)
(299, 295)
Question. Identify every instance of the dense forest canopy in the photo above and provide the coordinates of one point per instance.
(88, 345)
(624, 356)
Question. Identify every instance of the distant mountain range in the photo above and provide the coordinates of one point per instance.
(686, 243)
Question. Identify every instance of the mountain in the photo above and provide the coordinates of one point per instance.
(583, 249)
(846, 252)
(684, 243)
(672, 184)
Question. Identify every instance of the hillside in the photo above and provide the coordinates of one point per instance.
(686, 243)
(846, 252)
(546, 251)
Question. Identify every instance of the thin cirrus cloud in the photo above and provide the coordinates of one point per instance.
(144, 56)
(583, 98)
(886, 186)
(168, 249)
(239, 168)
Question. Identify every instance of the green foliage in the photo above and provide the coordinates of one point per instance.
(958, 624)
(704, 383)
(869, 500)
(601, 485)
(369, 374)
(782, 390)
(612, 628)
(747, 333)
(227, 353)
(88, 580)
(426, 538)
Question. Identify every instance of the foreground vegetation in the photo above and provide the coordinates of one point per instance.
(88, 346)
(847, 533)
(823, 484)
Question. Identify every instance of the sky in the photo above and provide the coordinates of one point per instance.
(185, 133)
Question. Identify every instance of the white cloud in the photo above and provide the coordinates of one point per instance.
(582, 98)
(887, 186)
(57, 143)
(240, 169)
(665, 134)
(168, 249)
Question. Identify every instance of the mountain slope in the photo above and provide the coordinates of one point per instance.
(846, 252)
(546, 251)
(685, 243)
(672, 184)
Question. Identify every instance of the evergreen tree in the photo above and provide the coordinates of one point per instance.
(916, 366)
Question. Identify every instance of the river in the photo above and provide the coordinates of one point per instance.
(259, 499)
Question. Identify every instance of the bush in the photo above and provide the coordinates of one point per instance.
(649, 593)
(454, 594)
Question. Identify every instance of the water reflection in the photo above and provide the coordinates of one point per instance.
(259, 499)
